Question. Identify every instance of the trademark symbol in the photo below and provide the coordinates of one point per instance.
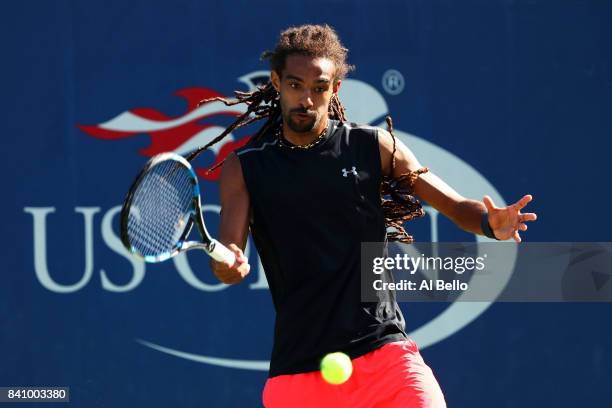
(393, 81)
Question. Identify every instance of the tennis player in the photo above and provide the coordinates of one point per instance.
(308, 187)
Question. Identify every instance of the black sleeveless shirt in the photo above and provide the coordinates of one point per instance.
(311, 209)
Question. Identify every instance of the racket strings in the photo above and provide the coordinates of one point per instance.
(161, 217)
(161, 209)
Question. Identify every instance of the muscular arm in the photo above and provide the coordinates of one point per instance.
(234, 225)
(465, 213)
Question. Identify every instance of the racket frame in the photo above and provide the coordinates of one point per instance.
(210, 245)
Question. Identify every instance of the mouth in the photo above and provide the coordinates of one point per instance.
(302, 115)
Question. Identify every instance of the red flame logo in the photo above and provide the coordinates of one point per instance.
(180, 134)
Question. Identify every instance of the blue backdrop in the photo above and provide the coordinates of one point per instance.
(517, 94)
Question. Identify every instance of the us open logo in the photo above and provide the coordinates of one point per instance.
(364, 104)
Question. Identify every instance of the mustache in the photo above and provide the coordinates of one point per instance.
(303, 111)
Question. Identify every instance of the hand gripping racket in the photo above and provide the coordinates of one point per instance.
(160, 209)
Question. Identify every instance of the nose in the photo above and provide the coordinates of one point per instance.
(306, 99)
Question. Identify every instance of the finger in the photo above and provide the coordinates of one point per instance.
(241, 257)
(528, 217)
(244, 269)
(522, 227)
(237, 256)
(224, 263)
(517, 237)
(488, 202)
(237, 252)
(524, 201)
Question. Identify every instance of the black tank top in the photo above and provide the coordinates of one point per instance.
(311, 209)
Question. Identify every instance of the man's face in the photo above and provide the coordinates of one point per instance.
(306, 87)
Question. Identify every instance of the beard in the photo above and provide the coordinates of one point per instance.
(299, 126)
(302, 126)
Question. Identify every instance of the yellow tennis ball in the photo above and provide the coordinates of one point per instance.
(336, 368)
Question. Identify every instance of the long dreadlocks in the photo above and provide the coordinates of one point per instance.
(398, 203)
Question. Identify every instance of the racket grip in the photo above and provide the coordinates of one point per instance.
(221, 253)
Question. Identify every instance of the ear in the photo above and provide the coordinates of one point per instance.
(336, 86)
(275, 80)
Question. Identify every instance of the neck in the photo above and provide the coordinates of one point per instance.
(303, 138)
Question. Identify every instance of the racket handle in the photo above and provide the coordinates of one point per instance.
(221, 253)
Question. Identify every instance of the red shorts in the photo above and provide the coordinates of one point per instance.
(394, 375)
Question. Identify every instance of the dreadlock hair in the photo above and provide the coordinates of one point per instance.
(264, 103)
(401, 204)
(312, 41)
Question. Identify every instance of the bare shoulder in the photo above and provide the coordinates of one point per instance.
(391, 147)
(231, 173)
(385, 139)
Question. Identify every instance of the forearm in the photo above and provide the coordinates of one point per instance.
(234, 223)
(467, 215)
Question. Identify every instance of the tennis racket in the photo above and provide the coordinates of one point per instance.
(160, 210)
